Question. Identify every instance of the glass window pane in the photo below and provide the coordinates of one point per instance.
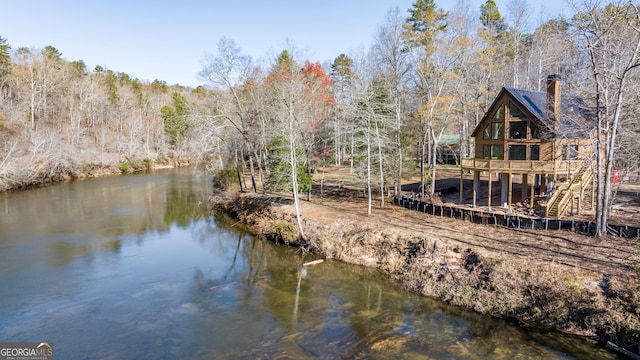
(515, 111)
(486, 134)
(535, 152)
(496, 152)
(497, 131)
(518, 130)
(517, 152)
(569, 152)
(485, 151)
(499, 113)
(535, 131)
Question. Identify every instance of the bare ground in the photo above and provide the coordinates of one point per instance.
(602, 256)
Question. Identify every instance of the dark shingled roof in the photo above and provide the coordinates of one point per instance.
(577, 121)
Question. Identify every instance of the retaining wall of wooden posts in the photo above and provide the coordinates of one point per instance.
(515, 221)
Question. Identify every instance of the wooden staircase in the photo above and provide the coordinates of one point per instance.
(568, 191)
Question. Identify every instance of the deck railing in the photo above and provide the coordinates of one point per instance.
(521, 166)
(565, 193)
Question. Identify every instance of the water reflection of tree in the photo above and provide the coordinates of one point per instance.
(282, 286)
(342, 311)
(374, 313)
(243, 271)
(230, 296)
(183, 204)
(62, 253)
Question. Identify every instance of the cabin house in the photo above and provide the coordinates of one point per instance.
(536, 145)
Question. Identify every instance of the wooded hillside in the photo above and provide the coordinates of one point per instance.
(429, 76)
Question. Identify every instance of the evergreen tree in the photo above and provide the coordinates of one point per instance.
(175, 118)
(5, 58)
(341, 76)
(423, 24)
(491, 18)
(280, 166)
(79, 66)
(51, 53)
(285, 64)
(433, 75)
(341, 66)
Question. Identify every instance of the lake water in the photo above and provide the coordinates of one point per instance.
(135, 267)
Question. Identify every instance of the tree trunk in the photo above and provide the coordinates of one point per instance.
(253, 176)
(237, 165)
(434, 153)
(353, 145)
(261, 170)
(381, 169)
(369, 170)
(398, 185)
(294, 174)
(423, 150)
(243, 167)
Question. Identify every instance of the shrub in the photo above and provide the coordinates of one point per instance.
(283, 231)
(87, 169)
(132, 165)
(224, 178)
(124, 166)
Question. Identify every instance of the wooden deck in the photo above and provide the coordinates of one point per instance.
(522, 166)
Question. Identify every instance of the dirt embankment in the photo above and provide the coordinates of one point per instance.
(571, 283)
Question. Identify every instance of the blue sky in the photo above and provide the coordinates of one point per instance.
(167, 40)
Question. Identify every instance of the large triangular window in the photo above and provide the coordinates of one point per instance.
(499, 114)
(514, 110)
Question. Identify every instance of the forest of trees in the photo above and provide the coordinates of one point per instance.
(382, 111)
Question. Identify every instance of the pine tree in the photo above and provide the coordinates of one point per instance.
(491, 18)
(175, 118)
(424, 23)
(5, 58)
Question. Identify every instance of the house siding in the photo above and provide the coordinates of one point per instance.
(516, 137)
(503, 105)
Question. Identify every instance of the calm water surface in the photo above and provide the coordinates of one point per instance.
(133, 267)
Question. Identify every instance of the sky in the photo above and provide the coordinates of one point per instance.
(168, 40)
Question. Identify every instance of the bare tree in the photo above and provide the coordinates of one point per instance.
(518, 11)
(611, 39)
(373, 127)
(390, 54)
(229, 69)
(466, 86)
(552, 51)
(292, 114)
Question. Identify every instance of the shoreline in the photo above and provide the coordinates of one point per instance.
(88, 171)
(533, 292)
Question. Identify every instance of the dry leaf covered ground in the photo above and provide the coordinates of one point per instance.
(604, 256)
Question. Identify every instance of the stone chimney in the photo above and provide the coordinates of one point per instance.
(553, 101)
